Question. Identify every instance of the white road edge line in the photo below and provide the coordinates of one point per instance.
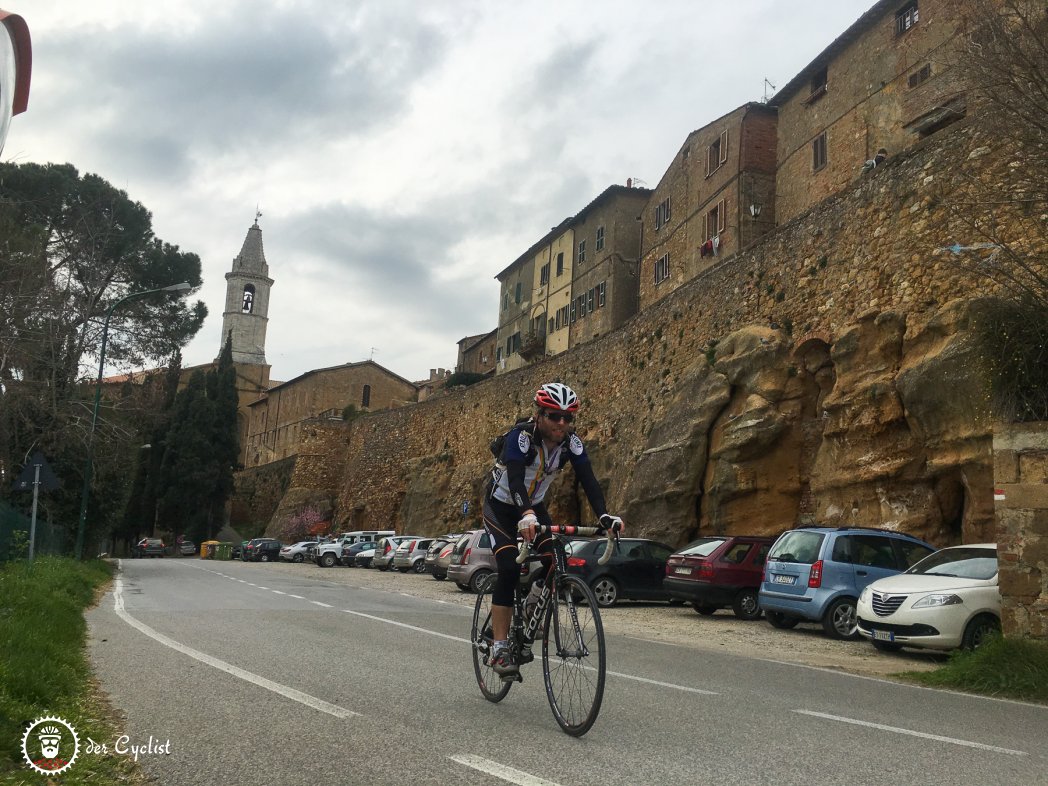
(325, 605)
(920, 734)
(509, 774)
(221, 665)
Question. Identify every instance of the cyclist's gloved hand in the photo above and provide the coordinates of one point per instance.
(614, 523)
(526, 526)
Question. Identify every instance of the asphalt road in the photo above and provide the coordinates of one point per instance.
(243, 675)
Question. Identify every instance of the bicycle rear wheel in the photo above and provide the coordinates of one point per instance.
(491, 685)
(573, 657)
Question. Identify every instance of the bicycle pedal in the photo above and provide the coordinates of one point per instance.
(512, 677)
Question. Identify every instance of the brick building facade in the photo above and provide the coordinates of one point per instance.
(701, 209)
(275, 421)
(884, 83)
(476, 354)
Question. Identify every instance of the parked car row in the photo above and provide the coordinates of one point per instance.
(888, 587)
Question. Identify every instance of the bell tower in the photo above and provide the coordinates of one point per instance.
(247, 301)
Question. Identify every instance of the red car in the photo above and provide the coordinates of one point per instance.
(719, 572)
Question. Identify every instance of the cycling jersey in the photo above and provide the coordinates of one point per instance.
(527, 467)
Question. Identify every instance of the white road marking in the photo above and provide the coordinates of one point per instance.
(662, 684)
(645, 680)
(921, 734)
(278, 592)
(509, 774)
(299, 597)
(405, 625)
(655, 641)
(221, 665)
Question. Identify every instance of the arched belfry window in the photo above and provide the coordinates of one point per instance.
(249, 298)
(365, 399)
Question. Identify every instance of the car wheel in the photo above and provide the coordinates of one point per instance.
(978, 630)
(705, 611)
(297, 558)
(328, 560)
(885, 646)
(780, 620)
(839, 620)
(606, 591)
(420, 566)
(746, 606)
(263, 558)
(478, 580)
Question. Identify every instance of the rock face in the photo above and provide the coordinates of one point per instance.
(876, 429)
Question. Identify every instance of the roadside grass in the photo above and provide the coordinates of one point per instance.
(1011, 668)
(44, 668)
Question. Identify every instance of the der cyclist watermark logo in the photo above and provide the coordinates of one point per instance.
(50, 745)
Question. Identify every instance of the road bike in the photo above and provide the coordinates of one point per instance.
(572, 640)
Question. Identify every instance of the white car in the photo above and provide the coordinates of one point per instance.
(297, 551)
(947, 600)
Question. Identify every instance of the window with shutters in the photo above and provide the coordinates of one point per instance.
(717, 153)
(906, 17)
(818, 152)
(819, 81)
(601, 292)
(582, 251)
(544, 275)
(600, 239)
(662, 269)
(560, 264)
(715, 220)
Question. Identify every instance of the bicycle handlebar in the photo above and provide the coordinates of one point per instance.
(567, 529)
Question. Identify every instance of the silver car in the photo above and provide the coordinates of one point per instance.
(385, 550)
(472, 561)
(411, 555)
(297, 551)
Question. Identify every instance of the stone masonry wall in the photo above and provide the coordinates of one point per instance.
(1021, 491)
(873, 249)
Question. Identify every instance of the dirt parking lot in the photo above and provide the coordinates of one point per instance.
(676, 625)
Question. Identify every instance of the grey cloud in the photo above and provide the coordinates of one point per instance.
(268, 82)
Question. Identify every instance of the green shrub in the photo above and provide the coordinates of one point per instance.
(1016, 668)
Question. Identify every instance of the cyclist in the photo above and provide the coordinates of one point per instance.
(533, 452)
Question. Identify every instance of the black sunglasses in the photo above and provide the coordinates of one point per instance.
(560, 417)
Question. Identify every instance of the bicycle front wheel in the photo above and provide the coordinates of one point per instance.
(573, 657)
(481, 640)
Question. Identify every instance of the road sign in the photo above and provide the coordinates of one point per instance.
(48, 481)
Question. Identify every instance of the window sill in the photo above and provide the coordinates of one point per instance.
(815, 95)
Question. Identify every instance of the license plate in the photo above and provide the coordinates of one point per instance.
(884, 635)
(682, 570)
(781, 578)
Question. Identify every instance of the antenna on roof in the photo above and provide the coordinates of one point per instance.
(372, 357)
(767, 84)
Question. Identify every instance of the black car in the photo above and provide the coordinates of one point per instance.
(149, 547)
(349, 553)
(634, 572)
(262, 550)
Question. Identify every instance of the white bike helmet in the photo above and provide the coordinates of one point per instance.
(557, 397)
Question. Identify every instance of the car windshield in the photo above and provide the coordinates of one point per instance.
(702, 547)
(965, 563)
(797, 546)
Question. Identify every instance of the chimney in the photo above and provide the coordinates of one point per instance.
(629, 182)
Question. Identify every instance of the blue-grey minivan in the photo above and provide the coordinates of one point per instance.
(817, 573)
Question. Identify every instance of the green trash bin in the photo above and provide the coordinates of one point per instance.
(224, 551)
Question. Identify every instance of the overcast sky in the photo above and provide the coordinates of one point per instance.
(402, 153)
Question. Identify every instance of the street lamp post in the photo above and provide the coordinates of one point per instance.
(89, 464)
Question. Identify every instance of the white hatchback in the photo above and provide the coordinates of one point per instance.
(947, 600)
